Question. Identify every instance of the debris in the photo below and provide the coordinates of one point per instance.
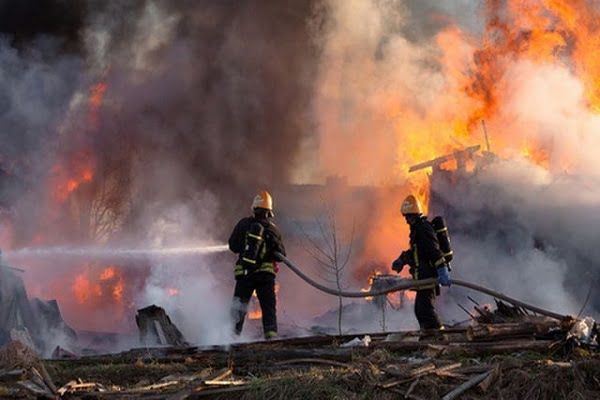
(356, 342)
(466, 386)
(221, 374)
(314, 361)
(408, 376)
(487, 383)
(584, 331)
(475, 349)
(436, 162)
(63, 354)
(79, 386)
(12, 375)
(156, 386)
(156, 328)
(411, 388)
(527, 328)
(232, 382)
(16, 355)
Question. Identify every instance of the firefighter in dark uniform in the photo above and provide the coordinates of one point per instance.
(425, 259)
(256, 239)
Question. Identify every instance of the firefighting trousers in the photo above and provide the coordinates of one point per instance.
(425, 309)
(264, 285)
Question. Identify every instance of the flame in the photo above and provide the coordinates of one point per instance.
(478, 78)
(79, 168)
(172, 291)
(68, 177)
(91, 288)
(368, 288)
(108, 273)
(81, 288)
(255, 312)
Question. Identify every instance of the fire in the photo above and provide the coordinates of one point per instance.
(254, 307)
(526, 50)
(117, 291)
(368, 288)
(79, 168)
(68, 177)
(172, 291)
(90, 287)
(81, 288)
(108, 273)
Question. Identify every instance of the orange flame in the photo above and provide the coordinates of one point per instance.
(89, 287)
(255, 312)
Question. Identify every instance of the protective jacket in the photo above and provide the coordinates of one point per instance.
(273, 243)
(424, 256)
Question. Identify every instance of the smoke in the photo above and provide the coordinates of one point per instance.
(402, 82)
(538, 224)
(147, 124)
(197, 299)
(153, 123)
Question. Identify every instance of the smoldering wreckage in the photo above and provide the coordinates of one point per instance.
(98, 202)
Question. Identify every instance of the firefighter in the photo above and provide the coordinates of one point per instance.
(256, 239)
(425, 260)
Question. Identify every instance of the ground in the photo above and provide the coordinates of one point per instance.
(318, 368)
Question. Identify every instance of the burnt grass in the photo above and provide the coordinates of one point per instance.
(530, 376)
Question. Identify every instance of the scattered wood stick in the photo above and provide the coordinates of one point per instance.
(411, 388)
(314, 361)
(225, 383)
(487, 383)
(466, 386)
(453, 375)
(447, 368)
(407, 377)
(156, 386)
(219, 375)
(47, 380)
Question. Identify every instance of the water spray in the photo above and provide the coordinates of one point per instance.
(102, 252)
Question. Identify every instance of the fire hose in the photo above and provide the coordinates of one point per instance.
(417, 284)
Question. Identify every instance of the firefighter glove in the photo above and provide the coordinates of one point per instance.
(398, 265)
(400, 262)
(444, 276)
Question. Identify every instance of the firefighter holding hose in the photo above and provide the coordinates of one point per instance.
(256, 239)
(426, 260)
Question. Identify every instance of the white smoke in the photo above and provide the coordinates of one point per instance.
(200, 307)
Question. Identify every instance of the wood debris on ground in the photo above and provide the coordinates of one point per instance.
(523, 357)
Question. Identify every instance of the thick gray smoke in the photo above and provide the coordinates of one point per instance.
(182, 110)
(525, 232)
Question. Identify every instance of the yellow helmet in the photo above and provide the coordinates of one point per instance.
(411, 205)
(263, 200)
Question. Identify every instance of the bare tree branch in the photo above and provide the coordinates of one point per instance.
(314, 244)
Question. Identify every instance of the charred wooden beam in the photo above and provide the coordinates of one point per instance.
(436, 162)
